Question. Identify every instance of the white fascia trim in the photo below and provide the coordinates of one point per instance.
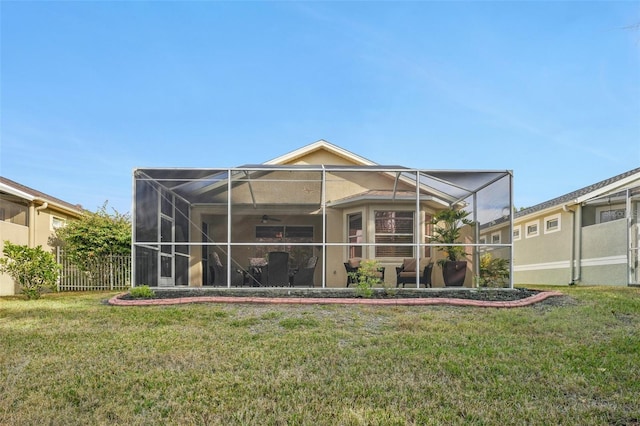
(611, 187)
(596, 261)
(604, 261)
(540, 213)
(542, 266)
(321, 144)
(13, 191)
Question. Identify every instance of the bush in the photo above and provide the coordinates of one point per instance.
(33, 269)
(142, 292)
(367, 277)
(494, 271)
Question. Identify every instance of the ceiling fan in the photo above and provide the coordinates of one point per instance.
(267, 218)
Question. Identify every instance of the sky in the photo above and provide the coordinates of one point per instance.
(90, 90)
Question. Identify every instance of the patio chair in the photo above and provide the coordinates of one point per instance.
(351, 266)
(256, 272)
(277, 269)
(218, 277)
(219, 273)
(406, 273)
(304, 276)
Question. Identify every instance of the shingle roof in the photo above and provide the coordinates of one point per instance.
(38, 194)
(575, 194)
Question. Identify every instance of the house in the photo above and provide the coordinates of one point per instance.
(589, 236)
(29, 217)
(316, 208)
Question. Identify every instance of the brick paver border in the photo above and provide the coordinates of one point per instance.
(118, 301)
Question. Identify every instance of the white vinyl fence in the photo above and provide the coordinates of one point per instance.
(109, 273)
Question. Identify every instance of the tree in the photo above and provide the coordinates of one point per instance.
(32, 268)
(90, 241)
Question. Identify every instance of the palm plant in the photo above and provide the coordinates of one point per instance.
(447, 227)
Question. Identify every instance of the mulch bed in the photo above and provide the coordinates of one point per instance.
(488, 294)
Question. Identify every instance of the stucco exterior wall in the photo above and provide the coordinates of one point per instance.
(17, 234)
(545, 258)
(604, 254)
(36, 234)
(600, 256)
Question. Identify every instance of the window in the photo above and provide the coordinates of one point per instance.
(483, 239)
(289, 234)
(532, 229)
(392, 228)
(610, 213)
(269, 233)
(552, 224)
(57, 222)
(355, 235)
(516, 233)
(13, 210)
(495, 238)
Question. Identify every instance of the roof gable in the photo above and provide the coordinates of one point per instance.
(321, 153)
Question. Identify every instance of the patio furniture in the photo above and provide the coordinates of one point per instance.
(304, 276)
(219, 273)
(352, 266)
(277, 269)
(256, 272)
(406, 273)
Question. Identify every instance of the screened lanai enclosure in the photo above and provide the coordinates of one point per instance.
(304, 225)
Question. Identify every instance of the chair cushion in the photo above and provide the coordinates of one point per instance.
(405, 274)
(409, 265)
(354, 262)
(257, 261)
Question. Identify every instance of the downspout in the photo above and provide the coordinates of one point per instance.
(33, 210)
(42, 207)
(578, 216)
(572, 258)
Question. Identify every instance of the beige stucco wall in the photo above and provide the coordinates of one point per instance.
(604, 254)
(600, 253)
(545, 258)
(17, 234)
(36, 234)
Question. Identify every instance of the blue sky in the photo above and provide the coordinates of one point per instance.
(91, 90)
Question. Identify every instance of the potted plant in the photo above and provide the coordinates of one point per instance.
(447, 226)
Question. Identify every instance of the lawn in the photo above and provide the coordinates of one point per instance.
(72, 359)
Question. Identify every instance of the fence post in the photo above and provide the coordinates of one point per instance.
(111, 272)
(59, 262)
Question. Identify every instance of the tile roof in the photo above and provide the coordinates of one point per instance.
(575, 194)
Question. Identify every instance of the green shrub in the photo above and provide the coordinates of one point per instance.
(33, 269)
(142, 292)
(367, 277)
(494, 271)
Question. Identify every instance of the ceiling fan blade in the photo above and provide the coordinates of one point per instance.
(266, 218)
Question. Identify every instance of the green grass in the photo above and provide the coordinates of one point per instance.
(71, 359)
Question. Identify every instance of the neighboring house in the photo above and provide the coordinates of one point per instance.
(589, 236)
(29, 217)
(321, 204)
